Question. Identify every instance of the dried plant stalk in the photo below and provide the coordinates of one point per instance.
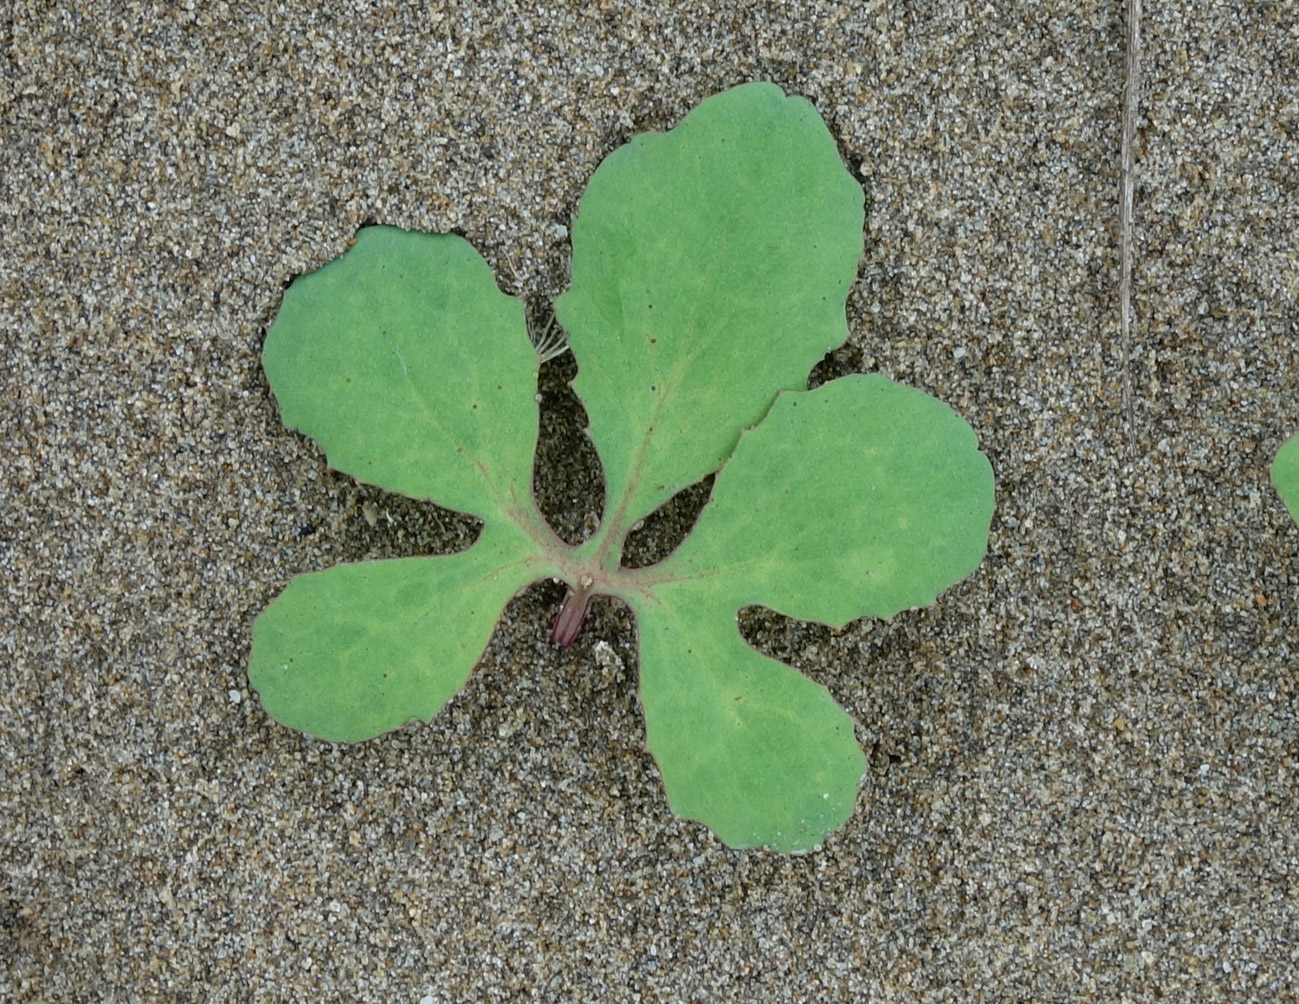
(1131, 97)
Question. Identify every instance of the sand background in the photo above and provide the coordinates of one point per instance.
(1083, 759)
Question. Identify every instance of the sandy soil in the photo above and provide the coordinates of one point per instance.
(1083, 759)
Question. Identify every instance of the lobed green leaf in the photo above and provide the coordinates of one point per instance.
(358, 650)
(710, 269)
(862, 497)
(411, 369)
(749, 747)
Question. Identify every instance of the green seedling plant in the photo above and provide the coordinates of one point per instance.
(711, 266)
(1285, 475)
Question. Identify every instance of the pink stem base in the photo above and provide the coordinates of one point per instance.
(572, 612)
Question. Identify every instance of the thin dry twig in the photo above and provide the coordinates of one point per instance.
(1131, 96)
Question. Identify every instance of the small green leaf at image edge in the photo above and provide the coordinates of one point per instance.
(1285, 475)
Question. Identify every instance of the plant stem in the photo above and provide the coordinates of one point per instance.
(572, 612)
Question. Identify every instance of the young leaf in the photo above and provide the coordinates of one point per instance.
(1285, 475)
(827, 527)
(749, 747)
(357, 650)
(710, 269)
(412, 370)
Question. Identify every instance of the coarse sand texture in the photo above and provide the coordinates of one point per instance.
(1081, 762)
